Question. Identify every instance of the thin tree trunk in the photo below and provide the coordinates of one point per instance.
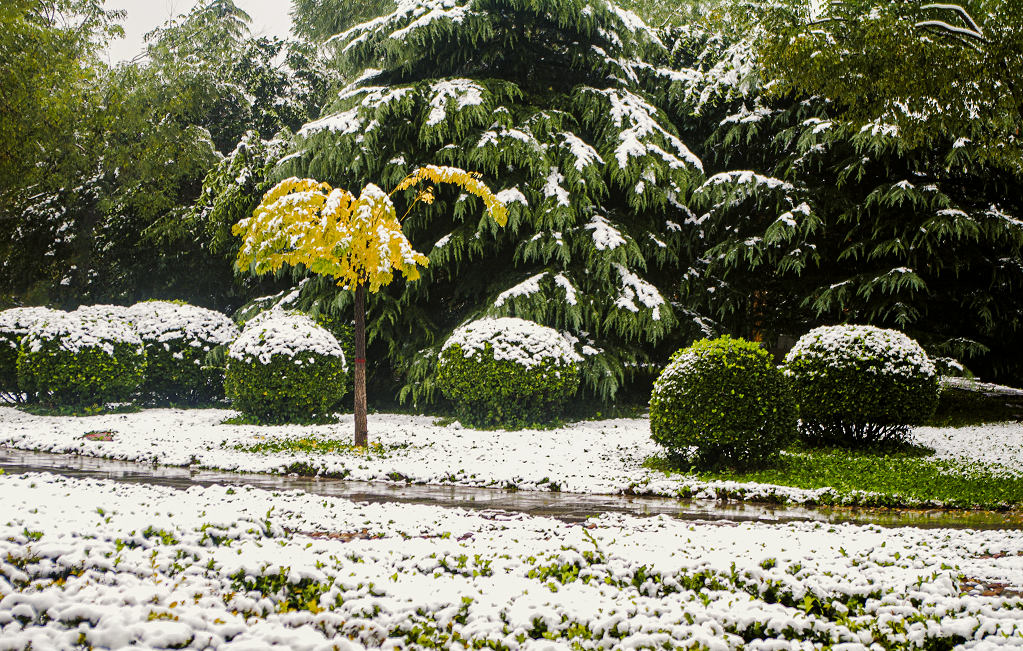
(361, 428)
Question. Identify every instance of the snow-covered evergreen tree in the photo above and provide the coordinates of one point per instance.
(812, 218)
(551, 103)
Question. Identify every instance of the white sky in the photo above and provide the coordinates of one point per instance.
(269, 17)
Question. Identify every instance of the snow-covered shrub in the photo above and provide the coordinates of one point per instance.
(178, 338)
(508, 372)
(14, 324)
(860, 384)
(74, 359)
(106, 312)
(285, 368)
(722, 402)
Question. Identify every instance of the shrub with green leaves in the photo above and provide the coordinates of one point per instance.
(858, 384)
(722, 402)
(80, 359)
(178, 338)
(14, 324)
(285, 368)
(508, 372)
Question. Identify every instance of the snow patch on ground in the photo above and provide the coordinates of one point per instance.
(597, 457)
(112, 565)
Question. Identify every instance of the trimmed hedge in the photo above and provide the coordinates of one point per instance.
(507, 372)
(74, 359)
(178, 338)
(860, 384)
(722, 402)
(14, 325)
(285, 368)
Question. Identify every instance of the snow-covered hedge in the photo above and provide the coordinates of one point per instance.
(14, 324)
(106, 312)
(722, 402)
(286, 368)
(860, 384)
(508, 372)
(79, 358)
(178, 338)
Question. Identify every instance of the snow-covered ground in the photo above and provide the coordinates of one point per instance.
(91, 562)
(588, 457)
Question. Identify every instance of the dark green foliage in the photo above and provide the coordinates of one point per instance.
(183, 346)
(552, 103)
(91, 376)
(960, 405)
(722, 402)
(283, 392)
(815, 212)
(859, 385)
(938, 71)
(8, 364)
(344, 332)
(489, 392)
(181, 375)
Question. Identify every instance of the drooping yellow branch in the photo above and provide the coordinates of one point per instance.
(333, 233)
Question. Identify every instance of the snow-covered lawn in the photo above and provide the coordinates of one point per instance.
(99, 563)
(588, 457)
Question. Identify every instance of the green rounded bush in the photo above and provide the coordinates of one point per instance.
(73, 359)
(860, 384)
(722, 402)
(178, 338)
(284, 368)
(507, 372)
(14, 325)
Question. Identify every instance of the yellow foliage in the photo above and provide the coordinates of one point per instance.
(356, 241)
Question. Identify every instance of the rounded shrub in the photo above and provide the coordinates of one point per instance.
(860, 384)
(285, 368)
(74, 359)
(508, 372)
(14, 325)
(722, 402)
(178, 338)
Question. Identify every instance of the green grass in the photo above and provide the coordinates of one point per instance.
(314, 445)
(903, 478)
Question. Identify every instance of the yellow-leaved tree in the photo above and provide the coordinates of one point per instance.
(357, 241)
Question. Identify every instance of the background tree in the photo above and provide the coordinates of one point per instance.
(812, 215)
(356, 242)
(552, 101)
(50, 66)
(111, 223)
(937, 71)
(318, 20)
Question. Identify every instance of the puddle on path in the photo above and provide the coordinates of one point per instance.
(569, 507)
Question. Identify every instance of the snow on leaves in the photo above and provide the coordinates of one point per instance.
(516, 340)
(283, 334)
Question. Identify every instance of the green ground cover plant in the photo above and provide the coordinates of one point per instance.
(901, 476)
(315, 445)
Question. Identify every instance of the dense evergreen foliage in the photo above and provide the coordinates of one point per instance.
(727, 166)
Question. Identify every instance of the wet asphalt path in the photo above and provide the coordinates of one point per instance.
(568, 507)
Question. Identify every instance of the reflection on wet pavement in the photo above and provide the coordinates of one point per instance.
(569, 507)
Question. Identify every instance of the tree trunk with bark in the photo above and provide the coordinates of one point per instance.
(361, 428)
